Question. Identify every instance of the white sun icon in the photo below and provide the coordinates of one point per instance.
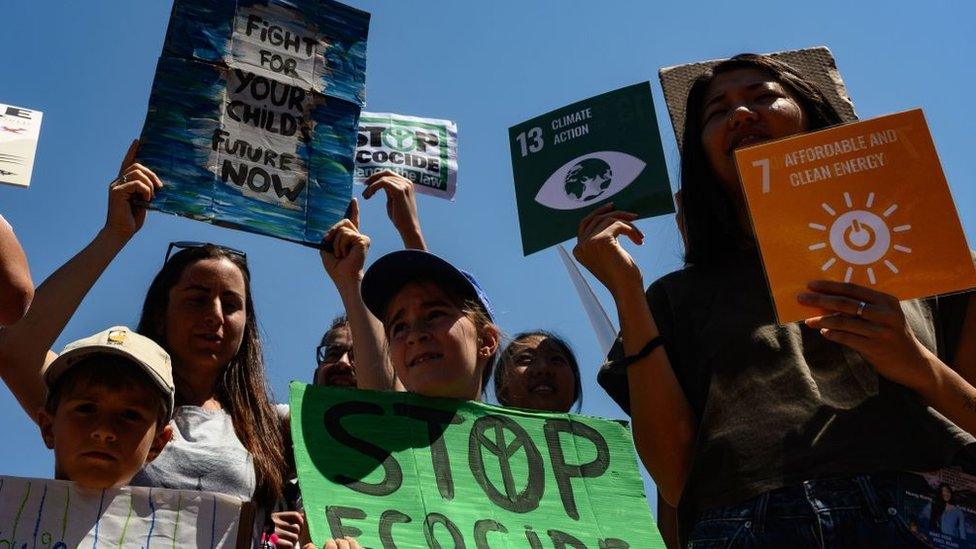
(860, 237)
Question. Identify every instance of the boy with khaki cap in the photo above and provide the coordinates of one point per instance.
(110, 399)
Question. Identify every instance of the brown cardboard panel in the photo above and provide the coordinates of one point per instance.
(815, 64)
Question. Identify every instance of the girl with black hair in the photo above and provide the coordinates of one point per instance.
(538, 371)
(766, 435)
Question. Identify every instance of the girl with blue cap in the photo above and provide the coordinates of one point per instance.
(425, 325)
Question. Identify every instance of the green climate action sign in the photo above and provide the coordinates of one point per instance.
(396, 470)
(574, 159)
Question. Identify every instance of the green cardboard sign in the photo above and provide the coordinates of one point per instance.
(396, 470)
(575, 159)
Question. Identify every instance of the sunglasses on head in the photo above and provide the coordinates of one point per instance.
(187, 244)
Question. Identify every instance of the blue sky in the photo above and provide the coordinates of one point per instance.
(486, 65)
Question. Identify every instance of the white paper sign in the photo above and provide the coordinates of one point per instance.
(55, 514)
(19, 130)
(423, 150)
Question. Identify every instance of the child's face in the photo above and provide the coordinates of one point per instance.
(434, 346)
(102, 437)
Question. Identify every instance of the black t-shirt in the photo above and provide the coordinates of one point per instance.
(777, 405)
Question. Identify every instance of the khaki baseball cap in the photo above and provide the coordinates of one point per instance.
(120, 341)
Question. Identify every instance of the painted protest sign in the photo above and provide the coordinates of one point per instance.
(423, 150)
(19, 131)
(865, 203)
(399, 470)
(572, 160)
(55, 514)
(253, 114)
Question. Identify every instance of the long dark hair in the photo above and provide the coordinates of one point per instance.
(710, 221)
(939, 507)
(242, 388)
(508, 356)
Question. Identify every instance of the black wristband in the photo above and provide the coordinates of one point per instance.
(648, 349)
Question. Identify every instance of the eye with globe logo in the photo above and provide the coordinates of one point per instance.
(573, 159)
(588, 179)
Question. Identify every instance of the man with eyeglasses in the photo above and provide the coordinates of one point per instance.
(336, 366)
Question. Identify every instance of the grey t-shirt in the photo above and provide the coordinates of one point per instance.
(204, 454)
(777, 405)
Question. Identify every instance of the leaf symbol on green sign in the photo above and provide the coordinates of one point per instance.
(588, 179)
(399, 139)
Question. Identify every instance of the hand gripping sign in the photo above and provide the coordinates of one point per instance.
(399, 470)
(574, 159)
(253, 114)
(864, 202)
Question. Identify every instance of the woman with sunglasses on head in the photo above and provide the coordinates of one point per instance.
(766, 435)
(226, 434)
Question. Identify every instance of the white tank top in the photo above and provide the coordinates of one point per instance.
(204, 454)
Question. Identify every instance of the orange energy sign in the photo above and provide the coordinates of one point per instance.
(865, 203)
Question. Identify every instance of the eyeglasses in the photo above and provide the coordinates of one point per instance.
(187, 244)
(332, 353)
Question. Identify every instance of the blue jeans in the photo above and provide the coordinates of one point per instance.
(861, 512)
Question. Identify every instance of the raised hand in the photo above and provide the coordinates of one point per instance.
(127, 196)
(346, 261)
(873, 324)
(598, 247)
(401, 205)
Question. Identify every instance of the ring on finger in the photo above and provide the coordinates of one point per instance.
(860, 309)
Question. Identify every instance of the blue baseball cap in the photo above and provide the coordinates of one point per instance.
(390, 273)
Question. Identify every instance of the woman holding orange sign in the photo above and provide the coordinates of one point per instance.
(767, 435)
